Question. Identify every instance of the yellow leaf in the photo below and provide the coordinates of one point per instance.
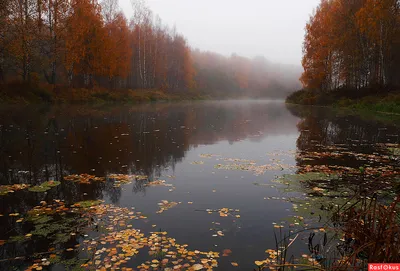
(234, 264)
(197, 266)
(259, 263)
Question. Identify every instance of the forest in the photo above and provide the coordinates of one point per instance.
(55, 46)
(352, 48)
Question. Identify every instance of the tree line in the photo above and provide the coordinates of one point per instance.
(88, 44)
(352, 45)
(83, 43)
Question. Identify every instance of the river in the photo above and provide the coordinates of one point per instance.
(203, 173)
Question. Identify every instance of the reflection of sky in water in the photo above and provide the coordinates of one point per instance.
(250, 235)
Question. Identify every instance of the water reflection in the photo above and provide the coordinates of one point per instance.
(355, 149)
(38, 144)
(48, 143)
(342, 140)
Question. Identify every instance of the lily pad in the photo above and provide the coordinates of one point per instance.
(44, 186)
(310, 176)
(395, 151)
(87, 203)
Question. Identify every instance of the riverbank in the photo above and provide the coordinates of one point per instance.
(20, 93)
(367, 100)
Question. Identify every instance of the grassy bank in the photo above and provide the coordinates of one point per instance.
(384, 101)
(23, 93)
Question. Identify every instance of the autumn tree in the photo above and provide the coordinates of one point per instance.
(352, 45)
(85, 43)
(23, 29)
(4, 25)
(55, 22)
(116, 41)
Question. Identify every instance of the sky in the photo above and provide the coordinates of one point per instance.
(270, 28)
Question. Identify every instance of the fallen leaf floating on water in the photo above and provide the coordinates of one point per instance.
(5, 189)
(206, 155)
(234, 264)
(127, 243)
(197, 163)
(259, 263)
(317, 189)
(224, 212)
(84, 178)
(238, 160)
(165, 205)
(252, 167)
(197, 266)
(121, 179)
(158, 183)
(226, 252)
(120, 241)
(278, 226)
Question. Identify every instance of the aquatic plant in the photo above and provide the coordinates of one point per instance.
(43, 187)
(371, 231)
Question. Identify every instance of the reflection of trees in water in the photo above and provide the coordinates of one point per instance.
(339, 140)
(41, 144)
(139, 186)
(321, 127)
(49, 144)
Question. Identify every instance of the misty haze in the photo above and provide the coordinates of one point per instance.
(191, 135)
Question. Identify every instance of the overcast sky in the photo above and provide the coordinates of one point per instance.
(272, 28)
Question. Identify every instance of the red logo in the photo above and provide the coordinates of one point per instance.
(384, 267)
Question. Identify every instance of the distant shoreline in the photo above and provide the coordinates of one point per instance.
(386, 102)
(24, 94)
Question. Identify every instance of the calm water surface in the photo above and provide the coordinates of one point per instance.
(169, 142)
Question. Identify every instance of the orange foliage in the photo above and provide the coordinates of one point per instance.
(86, 43)
(117, 47)
(352, 45)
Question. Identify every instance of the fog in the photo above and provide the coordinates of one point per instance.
(270, 28)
